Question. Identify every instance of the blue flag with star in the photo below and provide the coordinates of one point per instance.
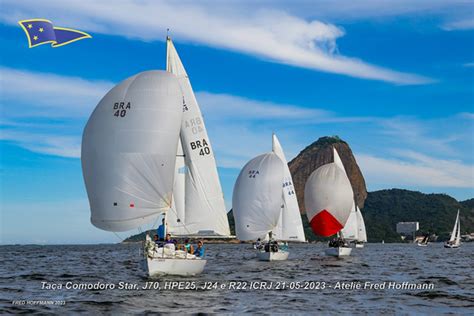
(41, 31)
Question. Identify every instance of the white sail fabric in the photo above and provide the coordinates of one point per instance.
(458, 235)
(351, 229)
(256, 201)
(129, 151)
(454, 233)
(176, 217)
(328, 198)
(362, 234)
(205, 211)
(290, 226)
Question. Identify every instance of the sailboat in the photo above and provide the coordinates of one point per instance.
(328, 200)
(425, 241)
(354, 230)
(455, 240)
(129, 157)
(265, 206)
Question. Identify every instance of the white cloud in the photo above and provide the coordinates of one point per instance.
(49, 94)
(50, 144)
(273, 35)
(415, 170)
(464, 24)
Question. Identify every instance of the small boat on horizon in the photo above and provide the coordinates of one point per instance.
(455, 239)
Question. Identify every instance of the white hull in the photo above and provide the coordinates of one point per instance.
(272, 256)
(338, 252)
(422, 245)
(169, 266)
(446, 245)
(359, 245)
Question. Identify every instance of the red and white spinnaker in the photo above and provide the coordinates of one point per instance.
(328, 198)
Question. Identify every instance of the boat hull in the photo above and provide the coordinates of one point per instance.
(422, 245)
(452, 245)
(272, 256)
(173, 266)
(359, 245)
(338, 252)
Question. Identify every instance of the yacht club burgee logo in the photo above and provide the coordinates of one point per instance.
(41, 31)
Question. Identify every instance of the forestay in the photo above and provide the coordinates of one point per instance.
(256, 201)
(129, 151)
(204, 208)
(290, 226)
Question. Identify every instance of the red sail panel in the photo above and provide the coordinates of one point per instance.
(324, 224)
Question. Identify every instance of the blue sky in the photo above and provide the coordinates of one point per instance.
(393, 79)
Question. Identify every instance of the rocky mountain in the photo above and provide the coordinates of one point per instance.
(320, 153)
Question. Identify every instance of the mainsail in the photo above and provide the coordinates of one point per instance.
(456, 233)
(351, 229)
(290, 226)
(256, 201)
(204, 208)
(328, 198)
(361, 234)
(129, 151)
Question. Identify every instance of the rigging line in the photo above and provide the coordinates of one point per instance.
(120, 238)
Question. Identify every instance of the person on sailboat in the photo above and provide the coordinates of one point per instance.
(168, 240)
(188, 247)
(156, 239)
(161, 230)
(199, 252)
(258, 244)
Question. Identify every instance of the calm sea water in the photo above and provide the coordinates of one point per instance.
(305, 283)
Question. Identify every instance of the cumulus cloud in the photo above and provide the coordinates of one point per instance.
(273, 35)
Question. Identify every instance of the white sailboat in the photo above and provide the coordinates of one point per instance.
(265, 206)
(129, 159)
(362, 234)
(455, 240)
(354, 230)
(328, 200)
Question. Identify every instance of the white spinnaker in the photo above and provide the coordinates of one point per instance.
(204, 201)
(256, 201)
(351, 229)
(176, 217)
(290, 226)
(129, 150)
(362, 233)
(328, 196)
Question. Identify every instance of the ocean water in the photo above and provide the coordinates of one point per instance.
(235, 282)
